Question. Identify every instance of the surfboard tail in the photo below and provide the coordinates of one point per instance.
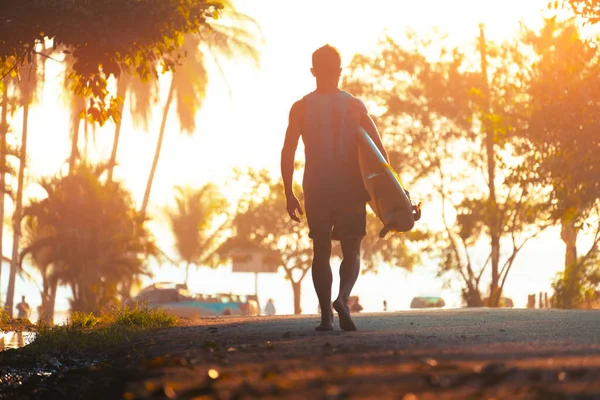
(388, 198)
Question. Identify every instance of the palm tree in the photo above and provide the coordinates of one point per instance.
(3, 133)
(96, 238)
(29, 84)
(141, 96)
(41, 259)
(192, 222)
(189, 80)
(76, 105)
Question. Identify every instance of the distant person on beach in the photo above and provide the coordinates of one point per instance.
(23, 309)
(270, 307)
(355, 305)
(334, 194)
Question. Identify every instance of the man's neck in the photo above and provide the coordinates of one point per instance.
(327, 89)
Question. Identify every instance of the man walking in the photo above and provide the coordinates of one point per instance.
(23, 309)
(335, 198)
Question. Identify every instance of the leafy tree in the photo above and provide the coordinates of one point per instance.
(447, 128)
(192, 222)
(581, 287)
(562, 133)
(589, 10)
(74, 25)
(189, 80)
(262, 224)
(94, 238)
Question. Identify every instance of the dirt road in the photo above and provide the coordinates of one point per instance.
(441, 354)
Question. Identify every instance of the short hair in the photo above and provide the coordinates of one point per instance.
(326, 59)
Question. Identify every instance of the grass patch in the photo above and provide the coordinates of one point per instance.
(88, 331)
(8, 324)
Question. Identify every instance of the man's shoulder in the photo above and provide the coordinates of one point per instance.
(297, 109)
(355, 103)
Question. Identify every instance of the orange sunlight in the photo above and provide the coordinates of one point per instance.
(247, 129)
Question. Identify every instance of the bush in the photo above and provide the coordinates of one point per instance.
(88, 331)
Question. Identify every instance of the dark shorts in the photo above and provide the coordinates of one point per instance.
(335, 221)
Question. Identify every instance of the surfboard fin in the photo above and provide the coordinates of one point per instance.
(416, 211)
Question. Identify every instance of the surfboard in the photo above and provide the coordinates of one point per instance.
(388, 198)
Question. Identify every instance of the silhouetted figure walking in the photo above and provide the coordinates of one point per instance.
(23, 309)
(334, 195)
(270, 307)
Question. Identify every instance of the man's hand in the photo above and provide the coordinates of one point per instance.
(293, 208)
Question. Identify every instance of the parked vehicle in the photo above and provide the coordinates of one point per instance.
(427, 302)
(503, 302)
(177, 300)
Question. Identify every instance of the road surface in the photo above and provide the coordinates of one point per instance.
(434, 354)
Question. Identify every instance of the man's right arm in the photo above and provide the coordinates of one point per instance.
(290, 144)
(369, 125)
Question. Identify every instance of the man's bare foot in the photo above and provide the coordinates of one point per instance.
(326, 323)
(344, 315)
(324, 326)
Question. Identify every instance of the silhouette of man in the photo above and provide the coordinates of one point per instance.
(334, 195)
(23, 309)
(270, 307)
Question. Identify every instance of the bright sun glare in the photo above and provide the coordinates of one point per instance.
(247, 129)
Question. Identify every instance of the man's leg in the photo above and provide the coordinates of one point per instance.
(322, 279)
(349, 270)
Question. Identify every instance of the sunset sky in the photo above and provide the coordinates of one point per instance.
(247, 129)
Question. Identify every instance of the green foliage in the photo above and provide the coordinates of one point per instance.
(101, 38)
(4, 317)
(90, 234)
(141, 318)
(87, 331)
(8, 324)
(583, 290)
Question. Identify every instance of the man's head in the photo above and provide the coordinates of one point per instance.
(23, 298)
(327, 64)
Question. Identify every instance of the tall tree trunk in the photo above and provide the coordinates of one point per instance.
(472, 296)
(86, 139)
(75, 127)
(52, 303)
(50, 286)
(121, 93)
(296, 288)
(491, 172)
(161, 135)
(125, 290)
(10, 292)
(3, 132)
(187, 273)
(568, 235)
